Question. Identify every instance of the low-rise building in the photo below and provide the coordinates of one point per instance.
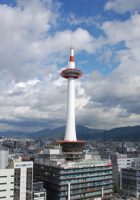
(7, 184)
(39, 193)
(130, 180)
(119, 162)
(6, 176)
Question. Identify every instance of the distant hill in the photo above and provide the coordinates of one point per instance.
(124, 133)
(85, 133)
(82, 132)
(16, 134)
(131, 133)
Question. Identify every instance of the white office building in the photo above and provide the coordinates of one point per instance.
(119, 162)
(23, 180)
(4, 154)
(7, 184)
(16, 177)
(6, 177)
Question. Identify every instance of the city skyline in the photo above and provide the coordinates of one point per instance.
(35, 40)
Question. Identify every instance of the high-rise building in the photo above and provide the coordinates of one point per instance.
(75, 176)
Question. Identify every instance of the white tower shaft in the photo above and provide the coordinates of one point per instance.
(70, 133)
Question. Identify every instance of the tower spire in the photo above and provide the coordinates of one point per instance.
(71, 54)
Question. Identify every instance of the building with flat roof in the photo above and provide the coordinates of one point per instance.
(7, 184)
(23, 180)
(130, 180)
(4, 154)
(119, 162)
(39, 193)
(6, 176)
(16, 177)
(87, 178)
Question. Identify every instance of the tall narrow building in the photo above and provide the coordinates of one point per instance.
(71, 147)
(71, 73)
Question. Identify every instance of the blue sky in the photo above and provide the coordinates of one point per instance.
(36, 36)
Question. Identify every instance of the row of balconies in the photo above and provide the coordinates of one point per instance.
(88, 190)
(83, 170)
(80, 186)
(83, 176)
(86, 180)
(89, 193)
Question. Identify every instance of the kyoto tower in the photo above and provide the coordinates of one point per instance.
(71, 147)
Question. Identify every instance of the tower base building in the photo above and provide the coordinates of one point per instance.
(72, 150)
(76, 180)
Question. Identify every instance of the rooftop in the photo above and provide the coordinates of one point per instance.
(62, 163)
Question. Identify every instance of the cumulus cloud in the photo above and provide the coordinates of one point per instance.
(27, 40)
(21, 35)
(117, 94)
(80, 38)
(121, 7)
(113, 100)
(127, 31)
(32, 53)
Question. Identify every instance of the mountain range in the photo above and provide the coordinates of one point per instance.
(131, 133)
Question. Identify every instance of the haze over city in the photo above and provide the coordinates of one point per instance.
(35, 38)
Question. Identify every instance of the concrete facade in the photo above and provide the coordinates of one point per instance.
(7, 184)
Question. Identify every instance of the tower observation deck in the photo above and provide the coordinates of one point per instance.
(71, 147)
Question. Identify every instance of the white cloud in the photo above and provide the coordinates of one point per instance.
(127, 31)
(121, 7)
(105, 56)
(29, 55)
(80, 39)
(27, 43)
(89, 21)
(114, 98)
(22, 32)
(26, 84)
(33, 94)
